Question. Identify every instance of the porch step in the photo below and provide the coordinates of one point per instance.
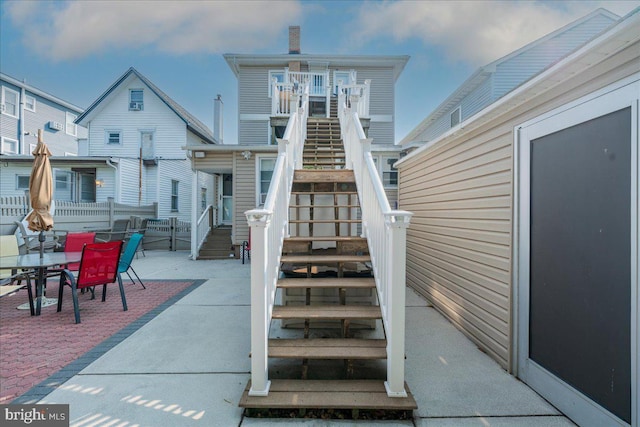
(323, 259)
(327, 282)
(323, 206)
(328, 394)
(308, 193)
(325, 239)
(314, 176)
(328, 348)
(325, 221)
(327, 312)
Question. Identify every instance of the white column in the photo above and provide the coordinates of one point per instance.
(396, 225)
(259, 221)
(194, 211)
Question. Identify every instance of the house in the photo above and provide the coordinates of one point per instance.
(25, 109)
(494, 80)
(140, 130)
(525, 231)
(265, 84)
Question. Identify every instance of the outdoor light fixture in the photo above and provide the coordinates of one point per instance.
(246, 154)
(99, 182)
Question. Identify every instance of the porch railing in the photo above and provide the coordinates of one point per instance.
(203, 227)
(269, 227)
(362, 91)
(297, 82)
(385, 230)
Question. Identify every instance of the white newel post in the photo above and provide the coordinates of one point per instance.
(258, 222)
(396, 223)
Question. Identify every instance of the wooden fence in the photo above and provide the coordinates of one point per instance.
(168, 234)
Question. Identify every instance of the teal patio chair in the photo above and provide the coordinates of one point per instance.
(127, 257)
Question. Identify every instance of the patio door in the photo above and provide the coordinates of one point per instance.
(225, 205)
(578, 258)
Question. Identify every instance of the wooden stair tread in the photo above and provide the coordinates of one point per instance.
(323, 206)
(304, 259)
(327, 312)
(324, 221)
(324, 238)
(308, 193)
(315, 176)
(327, 282)
(328, 394)
(328, 348)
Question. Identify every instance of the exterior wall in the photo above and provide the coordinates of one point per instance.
(459, 244)
(179, 170)
(58, 141)
(472, 103)
(244, 195)
(170, 132)
(8, 178)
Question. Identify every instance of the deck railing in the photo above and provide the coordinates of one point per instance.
(385, 230)
(268, 227)
(203, 227)
(362, 91)
(297, 83)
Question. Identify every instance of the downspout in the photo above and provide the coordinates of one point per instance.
(116, 180)
(23, 96)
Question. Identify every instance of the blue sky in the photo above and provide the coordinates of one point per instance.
(76, 50)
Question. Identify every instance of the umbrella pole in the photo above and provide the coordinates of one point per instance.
(41, 239)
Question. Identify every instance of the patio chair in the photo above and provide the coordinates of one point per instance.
(75, 243)
(30, 238)
(127, 257)
(11, 280)
(140, 227)
(98, 266)
(117, 232)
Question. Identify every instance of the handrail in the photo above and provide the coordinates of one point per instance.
(269, 226)
(347, 91)
(385, 230)
(203, 228)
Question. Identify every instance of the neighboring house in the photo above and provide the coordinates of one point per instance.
(23, 110)
(492, 81)
(141, 131)
(245, 168)
(525, 231)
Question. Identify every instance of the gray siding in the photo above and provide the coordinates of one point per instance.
(253, 132)
(244, 190)
(215, 162)
(474, 102)
(459, 244)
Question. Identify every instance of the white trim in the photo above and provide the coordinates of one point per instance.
(26, 103)
(255, 117)
(4, 109)
(7, 140)
(258, 169)
(381, 118)
(70, 127)
(619, 95)
(106, 137)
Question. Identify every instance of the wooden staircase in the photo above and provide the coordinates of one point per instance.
(333, 355)
(218, 244)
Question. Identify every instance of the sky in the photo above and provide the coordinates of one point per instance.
(75, 50)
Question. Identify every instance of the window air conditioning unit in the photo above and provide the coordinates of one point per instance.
(135, 106)
(55, 125)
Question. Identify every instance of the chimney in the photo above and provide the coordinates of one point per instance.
(217, 119)
(294, 39)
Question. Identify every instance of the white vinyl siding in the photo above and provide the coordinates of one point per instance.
(70, 127)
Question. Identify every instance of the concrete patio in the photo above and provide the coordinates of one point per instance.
(190, 364)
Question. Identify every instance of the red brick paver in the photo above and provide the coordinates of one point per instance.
(34, 347)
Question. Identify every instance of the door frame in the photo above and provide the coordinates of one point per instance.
(622, 94)
(221, 197)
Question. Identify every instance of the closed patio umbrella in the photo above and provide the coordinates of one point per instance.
(41, 194)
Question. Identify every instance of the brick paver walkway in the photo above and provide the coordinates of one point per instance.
(34, 348)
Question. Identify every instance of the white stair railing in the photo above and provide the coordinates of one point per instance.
(347, 91)
(202, 229)
(269, 227)
(386, 233)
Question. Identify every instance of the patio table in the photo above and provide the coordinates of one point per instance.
(39, 264)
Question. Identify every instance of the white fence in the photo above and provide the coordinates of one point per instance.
(268, 227)
(386, 231)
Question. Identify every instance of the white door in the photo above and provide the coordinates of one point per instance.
(225, 204)
(578, 260)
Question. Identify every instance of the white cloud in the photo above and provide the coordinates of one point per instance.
(69, 30)
(476, 32)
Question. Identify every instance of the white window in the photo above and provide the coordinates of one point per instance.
(389, 172)
(266, 165)
(87, 187)
(278, 75)
(136, 100)
(455, 117)
(9, 102)
(9, 145)
(174, 195)
(22, 182)
(113, 137)
(63, 185)
(30, 103)
(203, 198)
(71, 128)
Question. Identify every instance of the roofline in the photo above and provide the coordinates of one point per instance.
(510, 100)
(488, 69)
(146, 82)
(64, 159)
(40, 93)
(231, 148)
(398, 61)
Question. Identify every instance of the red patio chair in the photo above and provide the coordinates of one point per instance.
(98, 266)
(75, 243)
